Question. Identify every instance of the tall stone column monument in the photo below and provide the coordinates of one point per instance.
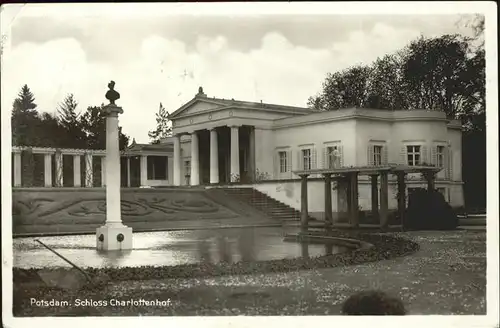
(113, 235)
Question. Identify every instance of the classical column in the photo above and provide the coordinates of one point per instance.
(89, 173)
(59, 169)
(374, 184)
(77, 180)
(128, 171)
(354, 212)
(177, 160)
(384, 200)
(144, 170)
(195, 160)
(112, 167)
(401, 196)
(114, 235)
(103, 171)
(17, 170)
(328, 201)
(214, 157)
(304, 212)
(235, 154)
(48, 170)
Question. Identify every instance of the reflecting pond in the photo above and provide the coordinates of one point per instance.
(169, 248)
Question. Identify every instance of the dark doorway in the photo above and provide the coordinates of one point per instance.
(204, 156)
(224, 143)
(38, 170)
(123, 171)
(68, 170)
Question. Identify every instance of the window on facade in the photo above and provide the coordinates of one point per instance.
(306, 159)
(413, 155)
(282, 155)
(440, 156)
(377, 155)
(187, 167)
(332, 156)
(157, 167)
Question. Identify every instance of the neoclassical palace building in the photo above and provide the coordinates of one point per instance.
(217, 141)
(273, 148)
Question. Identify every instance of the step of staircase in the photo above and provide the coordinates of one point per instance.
(268, 205)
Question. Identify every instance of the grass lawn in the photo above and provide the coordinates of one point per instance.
(446, 276)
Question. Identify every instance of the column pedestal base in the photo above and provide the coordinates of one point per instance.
(108, 237)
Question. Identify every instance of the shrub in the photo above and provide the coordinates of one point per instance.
(373, 302)
(428, 210)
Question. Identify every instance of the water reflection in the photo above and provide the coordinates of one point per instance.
(114, 258)
(171, 248)
(328, 249)
(246, 245)
(305, 250)
(204, 251)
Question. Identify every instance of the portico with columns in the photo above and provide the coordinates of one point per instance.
(214, 140)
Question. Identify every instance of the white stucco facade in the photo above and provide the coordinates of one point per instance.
(279, 132)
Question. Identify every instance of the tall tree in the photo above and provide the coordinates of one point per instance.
(316, 102)
(50, 132)
(163, 128)
(93, 123)
(24, 118)
(69, 121)
(385, 84)
(347, 88)
(433, 73)
(474, 119)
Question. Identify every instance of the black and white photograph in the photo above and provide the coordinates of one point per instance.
(242, 164)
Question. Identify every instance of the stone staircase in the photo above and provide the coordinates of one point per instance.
(262, 202)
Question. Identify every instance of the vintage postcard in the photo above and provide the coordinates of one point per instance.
(239, 164)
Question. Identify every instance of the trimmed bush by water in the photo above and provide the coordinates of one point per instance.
(428, 210)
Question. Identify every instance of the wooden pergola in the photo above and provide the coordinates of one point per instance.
(350, 175)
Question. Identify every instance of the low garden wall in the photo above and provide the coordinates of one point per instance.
(84, 209)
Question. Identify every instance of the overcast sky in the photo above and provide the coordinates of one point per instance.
(161, 57)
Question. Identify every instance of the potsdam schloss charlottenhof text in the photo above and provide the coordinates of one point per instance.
(113, 302)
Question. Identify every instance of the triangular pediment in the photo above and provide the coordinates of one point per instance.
(197, 105)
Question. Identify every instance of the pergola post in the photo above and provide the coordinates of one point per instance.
(304, 212)
(374, 184)
(328, 201)
(353, 195)
(384, 200)
(347, 191)
(401, 196)
(430, 177)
